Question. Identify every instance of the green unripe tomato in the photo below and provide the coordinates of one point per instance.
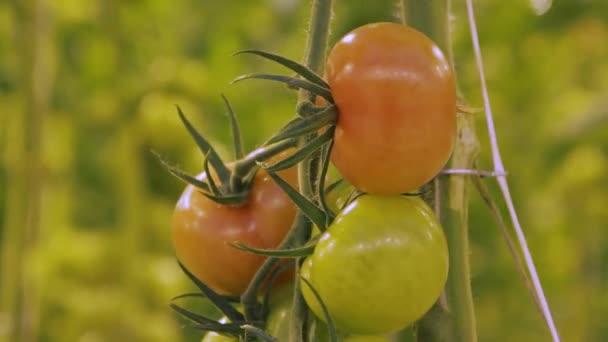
(277, 322)
(380, 266)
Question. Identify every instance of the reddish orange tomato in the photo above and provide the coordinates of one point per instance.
(396, 99)
(202, 228)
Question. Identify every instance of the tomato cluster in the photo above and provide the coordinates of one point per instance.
(384, 261)
(386, 120)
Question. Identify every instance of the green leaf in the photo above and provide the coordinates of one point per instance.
(314, 213)
(205, 147)
(331, 187)
(308, 124)
(291, 82)
(237, 139)
(233, 199)
(175, 171)
(194, 317)
(303, 251)
(291, 65)
(259, 333)
(325, 154)
(219, 301)
(333, 336)
(233, 299)
(232, 329)
(214, 189)
(307, 108)
(302, 153)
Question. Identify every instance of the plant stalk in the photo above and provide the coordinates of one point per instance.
(19, 293)
(432, 18)
(316, 43)
(314, 58)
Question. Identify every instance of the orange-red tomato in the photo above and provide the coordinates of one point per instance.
(202, 228)
(396, 99)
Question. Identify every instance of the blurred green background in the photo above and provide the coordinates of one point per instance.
(87, 91)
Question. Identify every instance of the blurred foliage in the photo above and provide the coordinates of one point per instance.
(105, 75)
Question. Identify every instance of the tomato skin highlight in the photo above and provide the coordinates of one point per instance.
(202, 229)
(380, 266)
(396, 98)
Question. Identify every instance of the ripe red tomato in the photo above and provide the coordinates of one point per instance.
(380, 266)
(396, 99)
(202, 228)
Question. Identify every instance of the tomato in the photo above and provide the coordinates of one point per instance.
(380, 266)
(279, 317)
(396, 100)
(202, 228)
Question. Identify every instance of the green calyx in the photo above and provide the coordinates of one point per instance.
(229, 185)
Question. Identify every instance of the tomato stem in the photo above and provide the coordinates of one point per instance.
(314, 59)
(316, 44)
(249, 297)
(246, 167)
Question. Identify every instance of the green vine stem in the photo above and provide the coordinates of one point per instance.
(432, 18)
(19, 293)
(244, 166)
(314, 59)
(249, 297)
(318, 37)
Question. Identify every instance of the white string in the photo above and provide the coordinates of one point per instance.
(474, 172)
(502, 180)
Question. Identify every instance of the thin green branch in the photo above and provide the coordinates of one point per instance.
(502, 226)
(249, 297)
(249, 163)
(314, 59)
(318, 36)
